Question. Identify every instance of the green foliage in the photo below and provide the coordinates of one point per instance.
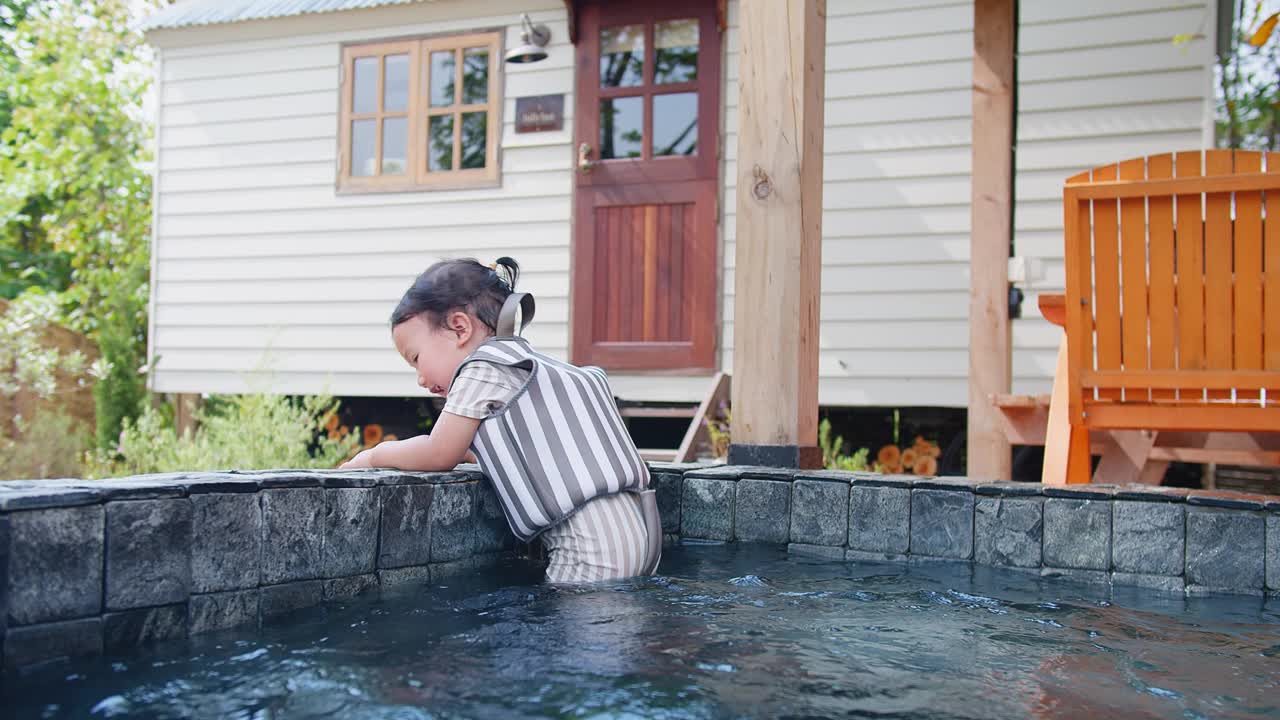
(75, 201)
(833, 457)
(1248, 75)
(234, 432)
(26, 362)
(49, 445)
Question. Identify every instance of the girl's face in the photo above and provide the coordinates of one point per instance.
(436, 352)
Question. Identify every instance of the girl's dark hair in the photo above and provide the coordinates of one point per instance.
(462, 284)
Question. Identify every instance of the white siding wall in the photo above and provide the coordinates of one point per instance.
(1098, 81)
(253, 248)
(896, 201)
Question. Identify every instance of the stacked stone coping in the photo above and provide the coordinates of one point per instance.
(1186, 541)
(93, 566)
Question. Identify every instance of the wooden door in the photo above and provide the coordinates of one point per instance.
(645, 282)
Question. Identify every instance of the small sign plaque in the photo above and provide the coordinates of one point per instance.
(539, 114)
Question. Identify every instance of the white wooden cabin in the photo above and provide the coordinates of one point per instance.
(282, 243)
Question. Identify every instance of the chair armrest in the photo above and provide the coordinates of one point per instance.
(1054, 309)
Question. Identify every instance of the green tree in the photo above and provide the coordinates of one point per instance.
(75, 188)
(1248, 73)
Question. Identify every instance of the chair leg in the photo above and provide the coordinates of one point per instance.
(1066, 448)
(1125, 457)
(1153, 472)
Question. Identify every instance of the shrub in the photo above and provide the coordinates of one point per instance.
(254, 431)
(48, 445)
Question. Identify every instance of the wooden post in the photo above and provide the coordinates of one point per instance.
(779, 238)
(184, 408)
(990, 235)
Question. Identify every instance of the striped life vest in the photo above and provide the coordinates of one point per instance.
(557, 444)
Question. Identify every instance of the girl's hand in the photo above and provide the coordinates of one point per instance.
(364, 459)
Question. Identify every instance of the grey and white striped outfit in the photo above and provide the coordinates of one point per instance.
(552, 442)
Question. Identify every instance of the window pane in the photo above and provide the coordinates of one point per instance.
(364, 140)
(395, 142)
(675, 124)
(364, 97)
(675, 45)
(475, 76)
(622, 56)
(395, 83)
(443, 78)
(440, 143)
(475, 136)
(621, 120)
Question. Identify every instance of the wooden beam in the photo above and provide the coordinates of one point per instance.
(990, 235)
(779, 237)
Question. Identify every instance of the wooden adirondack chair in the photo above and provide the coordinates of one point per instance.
(1172, 317)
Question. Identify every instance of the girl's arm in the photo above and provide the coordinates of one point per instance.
(444, 449)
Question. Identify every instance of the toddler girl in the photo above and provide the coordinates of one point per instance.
(547, 434)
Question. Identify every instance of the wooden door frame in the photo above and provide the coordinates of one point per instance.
(694, 180)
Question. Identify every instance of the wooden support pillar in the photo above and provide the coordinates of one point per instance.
(779, 236)
(991, 232)
(184, 410)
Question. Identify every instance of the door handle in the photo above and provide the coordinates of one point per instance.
(585, 163)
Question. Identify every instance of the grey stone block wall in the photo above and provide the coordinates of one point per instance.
(87, 566)
(706, 510)
(763, 511)
(879, 519)
(1008, 531)
(819, 514)
(1273, 553)
(1225, 549)
(1077, 534)
(148, 552)
(1148, 537)
(942, 523)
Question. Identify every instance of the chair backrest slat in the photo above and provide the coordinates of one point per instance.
(1217, 271)
(1160, 249)
(1247, 265)
(1189, 270)
(1106, 284)
(1271, 281)
(1133, 273)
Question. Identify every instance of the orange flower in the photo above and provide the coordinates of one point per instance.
(926, 465)
(372, 434)
(331, 422)
(909, 459)
(888, 456)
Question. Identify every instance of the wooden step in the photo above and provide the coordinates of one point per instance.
(656, 455)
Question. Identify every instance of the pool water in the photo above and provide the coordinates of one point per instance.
(725, 631)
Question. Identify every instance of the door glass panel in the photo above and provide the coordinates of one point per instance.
(475, 135)
(621, 123)
(395, 84)
(675, 124)
(364, 96)
(364, 141)
(675, 44)
(395, 141)
(443, 78)
(440, 143)
(475, 76)
(622, 56)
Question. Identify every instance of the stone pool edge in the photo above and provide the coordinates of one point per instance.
(98, 566)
